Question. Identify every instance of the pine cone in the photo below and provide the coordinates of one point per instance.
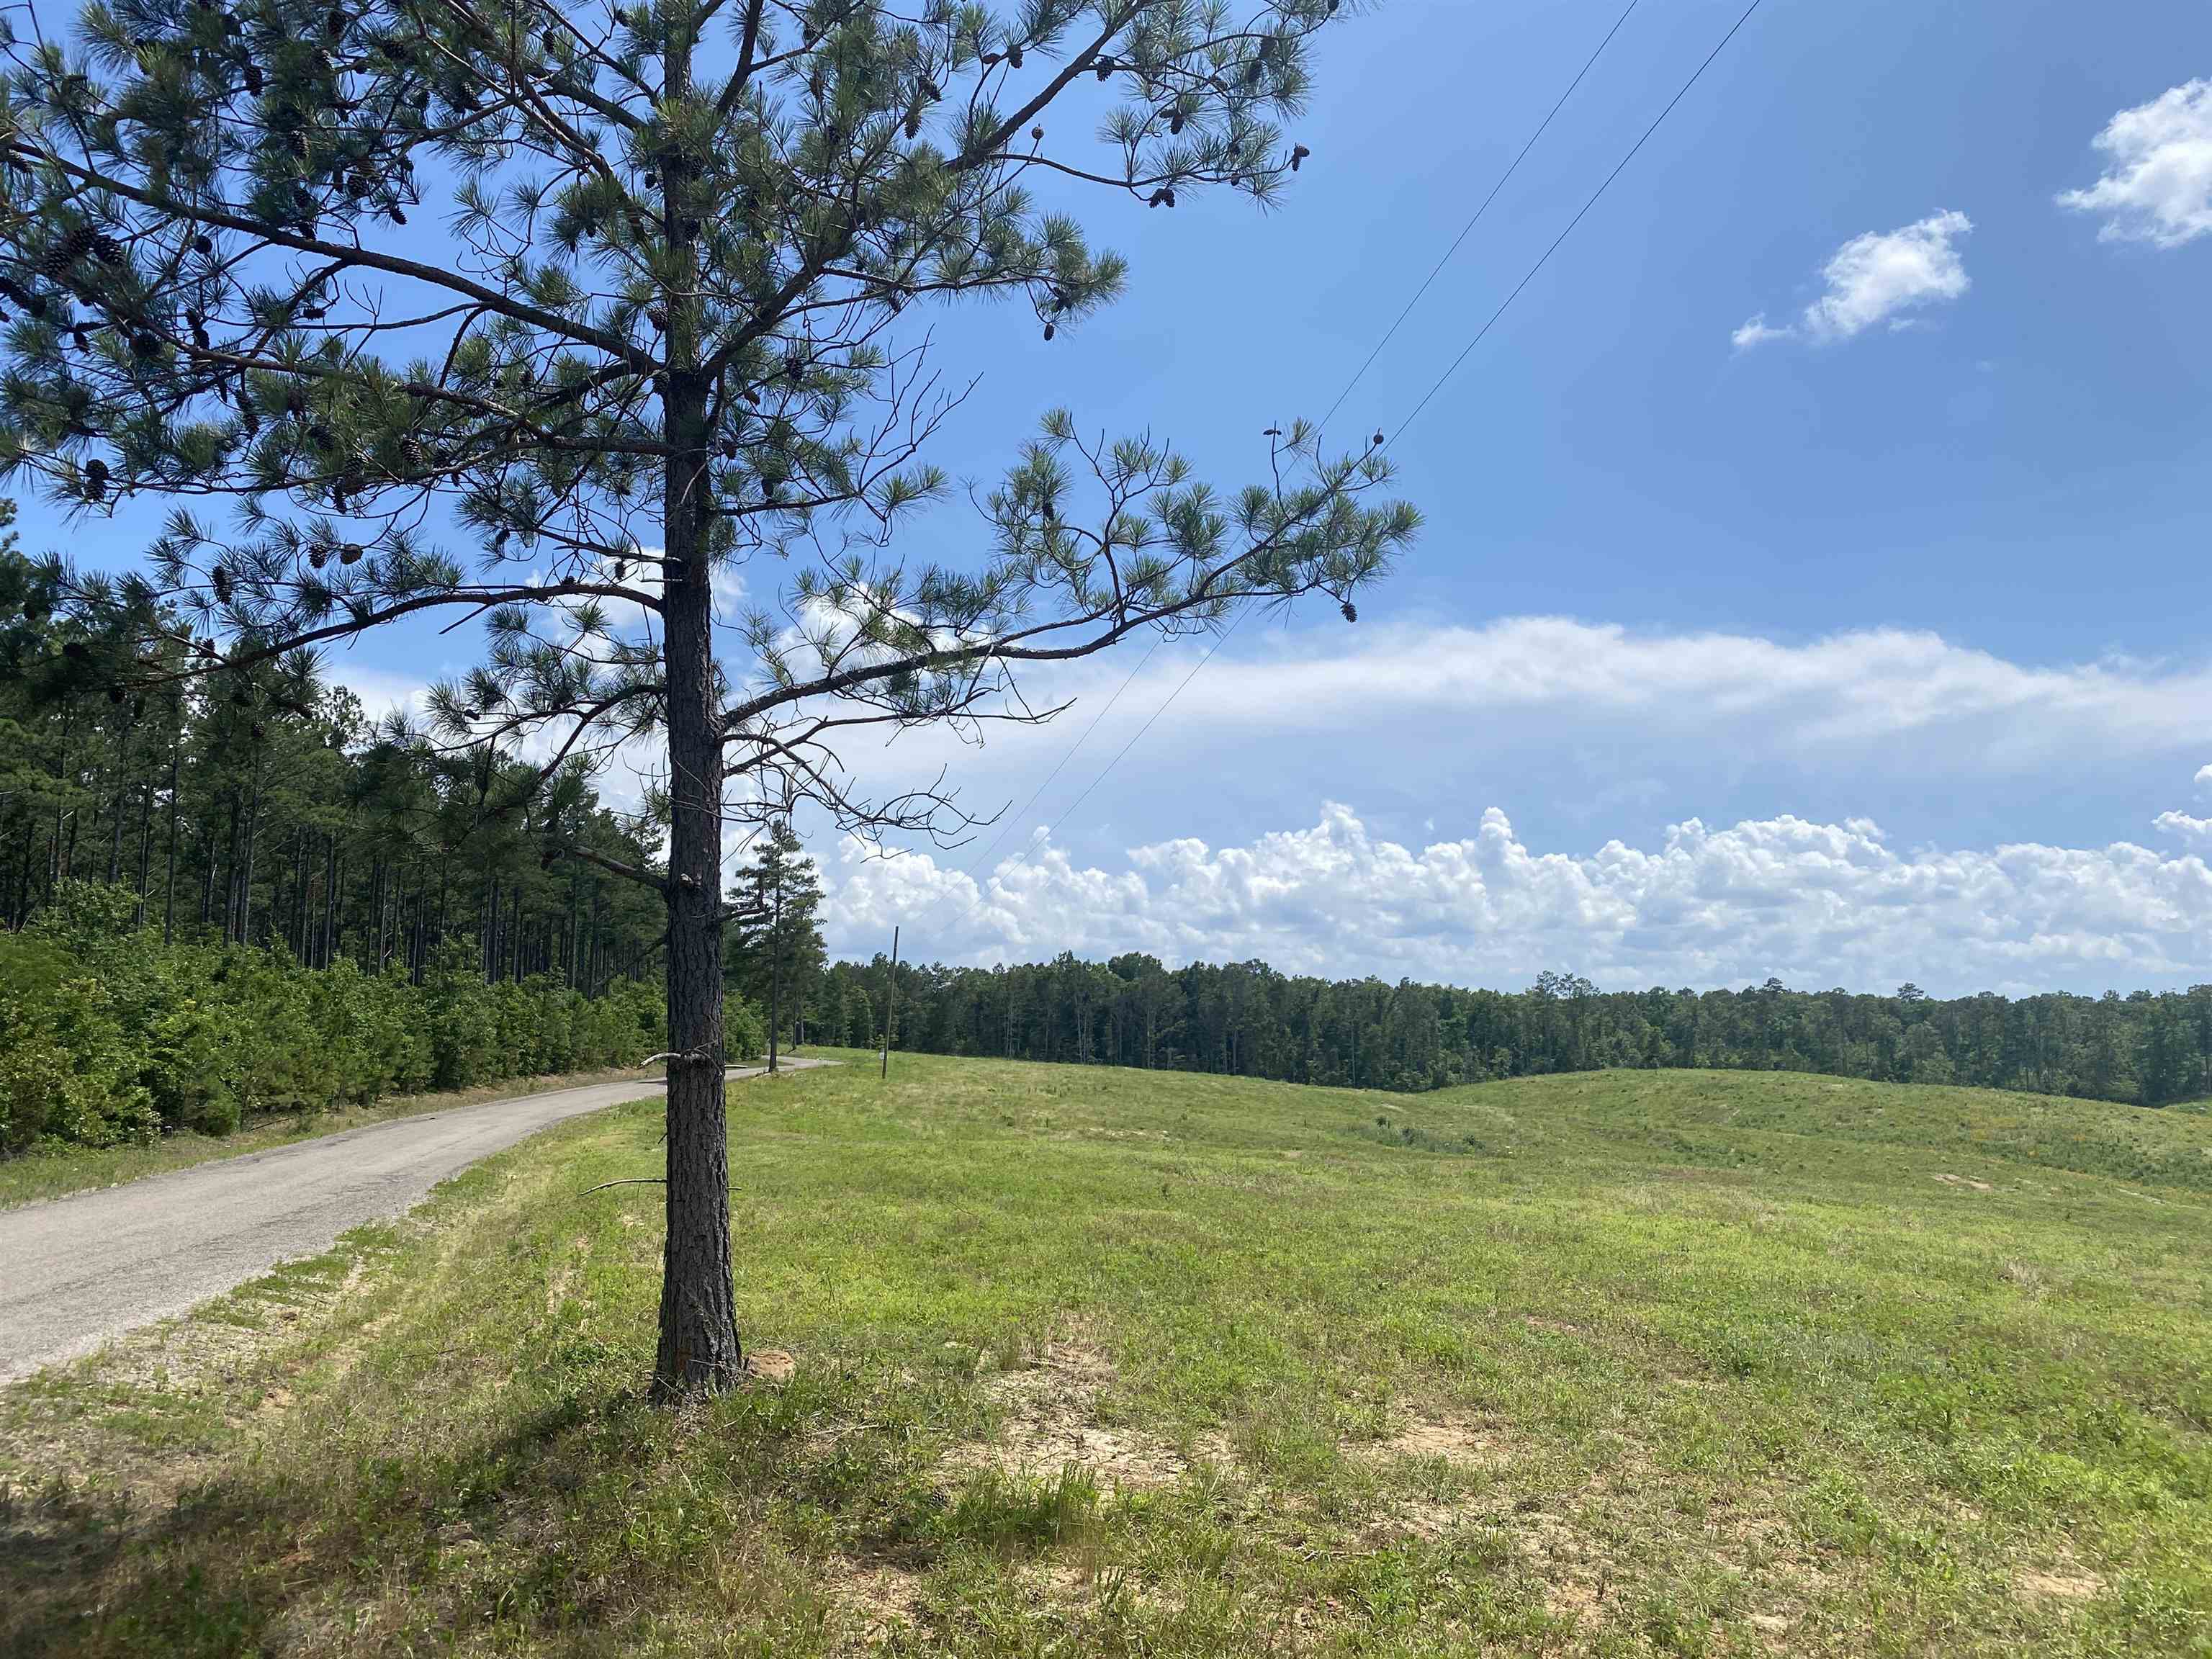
(59, 257)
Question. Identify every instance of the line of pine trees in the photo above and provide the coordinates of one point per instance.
(1246, 1019)
(265, 808)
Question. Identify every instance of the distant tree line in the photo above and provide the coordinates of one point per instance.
(1245, 1019)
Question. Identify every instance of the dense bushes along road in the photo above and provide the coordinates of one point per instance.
(106, 1034)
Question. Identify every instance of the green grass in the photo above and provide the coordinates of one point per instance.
(56, 1171)
(1103, 1362)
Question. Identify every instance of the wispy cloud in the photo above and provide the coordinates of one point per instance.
(1870, 701)
(1881, 277)
(1755, 330)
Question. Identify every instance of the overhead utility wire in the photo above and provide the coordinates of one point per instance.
(1696, 76)
(1014, 818)
(1543, 260)
(1389, 335)
(1467, 228)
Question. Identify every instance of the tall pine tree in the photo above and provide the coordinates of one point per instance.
(654, 338)
(779, 955)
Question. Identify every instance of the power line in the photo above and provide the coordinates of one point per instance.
(1390, 334)
(1451, 368)
(1014, 818)
(1067, 812)
(1695, 76)
(1464, 230)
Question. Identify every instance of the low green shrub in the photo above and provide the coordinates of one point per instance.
(67, 1070)
(107, 1035)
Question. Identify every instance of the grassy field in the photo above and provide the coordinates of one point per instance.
(56, 1171)
(1102, 1362)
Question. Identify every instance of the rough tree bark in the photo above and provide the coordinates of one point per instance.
(698, 1347)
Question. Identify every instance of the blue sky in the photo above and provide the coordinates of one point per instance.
(1946, 579)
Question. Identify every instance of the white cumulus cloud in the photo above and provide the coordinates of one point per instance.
(1881, 277)
(1818, 904)
(2182, 824)
(2157, 183)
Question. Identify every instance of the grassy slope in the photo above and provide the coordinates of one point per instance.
(54, 1172)
(1679, 1363)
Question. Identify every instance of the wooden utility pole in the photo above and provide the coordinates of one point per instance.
(774, 969)
(890, 1004)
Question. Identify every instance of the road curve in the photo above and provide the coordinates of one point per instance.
(77, 1271)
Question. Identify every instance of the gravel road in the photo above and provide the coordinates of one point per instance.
(76, 1271)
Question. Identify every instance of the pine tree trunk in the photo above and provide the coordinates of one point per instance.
(252, 839)
(115, 833)
(230, 871)
(491, 932)
(699, 1350)
(169, 903)
(300, 878)
(23, 869)
(145, 843)
(19, 873)
(207, 875)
